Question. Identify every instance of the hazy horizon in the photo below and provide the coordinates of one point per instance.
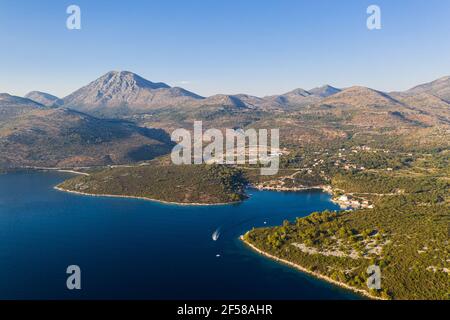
(219, 92)
(224, 47)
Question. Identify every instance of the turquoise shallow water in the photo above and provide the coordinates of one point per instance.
(137, 249)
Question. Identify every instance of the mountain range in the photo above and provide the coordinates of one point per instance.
(122, 117)
(123, 93)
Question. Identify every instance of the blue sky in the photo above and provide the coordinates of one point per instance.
(259, 47)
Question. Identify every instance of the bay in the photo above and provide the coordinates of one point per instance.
(137, 249)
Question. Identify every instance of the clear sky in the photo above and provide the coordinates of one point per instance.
(259, 47)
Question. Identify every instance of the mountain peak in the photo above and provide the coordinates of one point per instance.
(296, 98)
(324, 91)
(224, 100)
(5, 95)
(13, 106)
(362, 90)
(7, 99)
(298, 92)
(119, 93)
(129, 79)
(360, 96)
(44, 98)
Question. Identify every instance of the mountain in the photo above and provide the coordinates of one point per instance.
(40, 133)
(439, 88)
(361, 97)
(380, 108)
(11, 106)
(295, 98)
(120, 93)
(315, 116)
(222, 100)
(259, 103)
(426, 103)
(45, 99)
(239, 101)
(367, 107)
(360, 115)
(300, 97)
(32, 134)
(324, 91)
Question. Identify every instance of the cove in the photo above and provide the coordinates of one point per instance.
(138, 249)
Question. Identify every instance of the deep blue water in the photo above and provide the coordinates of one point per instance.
(137, 249)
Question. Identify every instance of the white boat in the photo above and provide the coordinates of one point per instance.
(216, 235)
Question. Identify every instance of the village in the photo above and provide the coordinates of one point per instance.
(315, 170)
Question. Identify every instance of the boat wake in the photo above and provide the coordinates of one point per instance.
(216, 234)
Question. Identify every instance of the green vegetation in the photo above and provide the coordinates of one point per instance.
(406, 234)
(200, 184)
(383, 183)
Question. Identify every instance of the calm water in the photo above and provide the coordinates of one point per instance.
(139, 249)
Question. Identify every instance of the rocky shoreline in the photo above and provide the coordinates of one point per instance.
(142, 198)
(315, 274)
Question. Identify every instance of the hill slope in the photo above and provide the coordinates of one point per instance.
(186, 184)
(34, 135)
(439, 88)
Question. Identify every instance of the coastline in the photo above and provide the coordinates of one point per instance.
(343, 204)
(142, 198)
(48, 169)
(303, 269)
(73, 171)
(290, 189)
(324, 188)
